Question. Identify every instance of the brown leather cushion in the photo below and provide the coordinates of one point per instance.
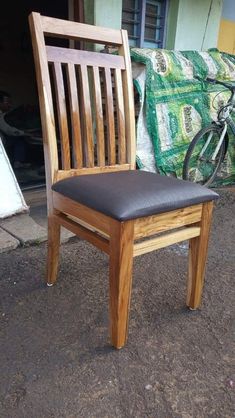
(127, 195)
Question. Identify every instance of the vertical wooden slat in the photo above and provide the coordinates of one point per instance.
(87, 117)
(99, 118)
(128, 101)
(75, 116)
(110, 116)
(62, 115)
(120, 117)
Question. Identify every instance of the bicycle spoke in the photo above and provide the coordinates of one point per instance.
(199, 165)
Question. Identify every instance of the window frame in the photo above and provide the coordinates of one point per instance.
(139, 24)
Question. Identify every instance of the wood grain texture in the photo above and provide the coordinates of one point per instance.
(165, 240)
(75, 116)
(45, 101)
(197, 258)
(120, 279)
(99, 117)
(89, 227)
(110, 117)
(128, 101)
(82, 141)
(69, 206)
(53, 246)
(87, 117)
(93, 59)
(84, 233)
(155, 224)
(62, 116)
(120, 118)
(63, 174)
(73, 30)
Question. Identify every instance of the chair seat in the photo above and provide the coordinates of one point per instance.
(125, 195)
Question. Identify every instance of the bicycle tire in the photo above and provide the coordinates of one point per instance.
(192, 157)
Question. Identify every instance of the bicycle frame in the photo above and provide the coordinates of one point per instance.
(209, 146)
(225, 128)
(223, 120)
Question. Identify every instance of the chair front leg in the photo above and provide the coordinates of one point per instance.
(120, 279)
(197, 258)
(53, 250)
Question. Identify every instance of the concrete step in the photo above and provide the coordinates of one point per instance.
(7, 241)
(24, 229)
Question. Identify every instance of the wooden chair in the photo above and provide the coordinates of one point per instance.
(93, 188)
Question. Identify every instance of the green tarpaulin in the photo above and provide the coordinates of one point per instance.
(174, 105)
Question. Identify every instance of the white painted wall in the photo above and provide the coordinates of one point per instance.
(198, 24)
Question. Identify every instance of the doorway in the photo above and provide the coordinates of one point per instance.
(20, 128)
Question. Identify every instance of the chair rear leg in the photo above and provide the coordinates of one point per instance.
(197, 258)
(53, 250)
(120, 281)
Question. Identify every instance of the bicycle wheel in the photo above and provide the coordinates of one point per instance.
(200, 168)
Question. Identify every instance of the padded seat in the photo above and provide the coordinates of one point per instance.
(126, 195)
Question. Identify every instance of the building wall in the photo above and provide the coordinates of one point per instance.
(108, 13)
(103, 13)
(197, 24)
(89, 11)
(191, 24)
(226, 39)
(171, 26)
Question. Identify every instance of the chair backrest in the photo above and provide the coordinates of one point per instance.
(86, 99)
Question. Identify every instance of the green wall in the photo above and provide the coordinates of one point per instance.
(171, 25)
(89, 11)
(108, 13)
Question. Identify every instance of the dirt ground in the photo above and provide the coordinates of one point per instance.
(55, 359)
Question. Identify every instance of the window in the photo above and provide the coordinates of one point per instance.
(145, 22)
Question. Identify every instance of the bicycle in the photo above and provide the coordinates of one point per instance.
(208, 148)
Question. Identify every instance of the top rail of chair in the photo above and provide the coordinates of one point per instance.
(78, 31)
